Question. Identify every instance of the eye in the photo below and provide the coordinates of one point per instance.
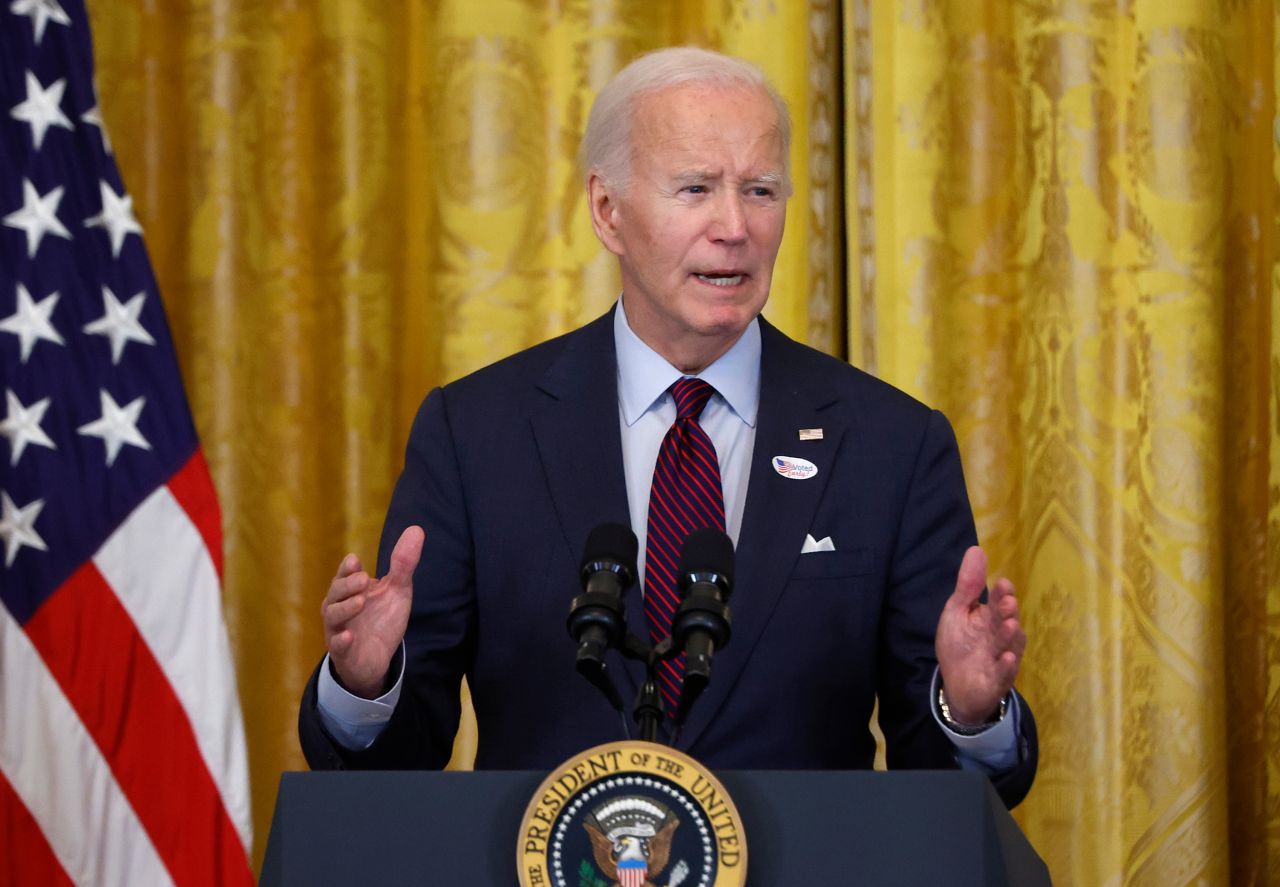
(761, 191)
(695, 189)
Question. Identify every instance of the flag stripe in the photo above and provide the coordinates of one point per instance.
(60, 776)
(193, 488)
(36, 864)
(113, 681)
(190, 647)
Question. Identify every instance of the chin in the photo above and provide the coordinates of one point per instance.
(739, 309)
(727, 321)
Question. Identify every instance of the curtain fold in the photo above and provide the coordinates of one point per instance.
(1055, 220)
(1063, 216)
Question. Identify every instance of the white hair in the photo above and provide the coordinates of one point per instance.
(606, 145)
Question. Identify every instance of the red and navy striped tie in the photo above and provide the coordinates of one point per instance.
(686, 496)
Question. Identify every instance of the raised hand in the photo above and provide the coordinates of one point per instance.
(365, 618)
(979, 646)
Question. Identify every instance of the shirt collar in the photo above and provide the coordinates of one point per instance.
(644, 375)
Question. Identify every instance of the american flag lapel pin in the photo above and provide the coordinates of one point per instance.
(811, 434)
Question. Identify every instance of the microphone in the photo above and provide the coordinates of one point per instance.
(701, 624)
(596, 619)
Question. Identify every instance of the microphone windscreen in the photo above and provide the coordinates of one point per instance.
(707, 551)
(611, 542)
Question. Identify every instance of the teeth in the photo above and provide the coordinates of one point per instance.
(720, 280)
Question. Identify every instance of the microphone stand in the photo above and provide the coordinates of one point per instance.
(648, 711)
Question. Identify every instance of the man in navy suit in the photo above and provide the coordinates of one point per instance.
(858, 574)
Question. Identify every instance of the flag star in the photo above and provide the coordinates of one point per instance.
(22, 425)
(116, 217)
(17, 527)
(120, 323)
(42, 108)
(93, 117)
(31, 323)
(38, 216)
(118, 425)
(41, 12)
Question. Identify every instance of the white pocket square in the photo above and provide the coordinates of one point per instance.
(811, 545)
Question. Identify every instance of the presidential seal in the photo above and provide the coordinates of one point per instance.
(631, 814)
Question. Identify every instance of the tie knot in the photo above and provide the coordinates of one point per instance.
(691, 396)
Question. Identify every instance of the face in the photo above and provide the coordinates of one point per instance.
(697, 229)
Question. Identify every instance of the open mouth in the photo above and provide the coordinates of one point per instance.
(716, 278)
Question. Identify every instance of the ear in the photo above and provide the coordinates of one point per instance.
(602, 199)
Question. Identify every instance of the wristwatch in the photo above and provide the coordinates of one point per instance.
(968, 729)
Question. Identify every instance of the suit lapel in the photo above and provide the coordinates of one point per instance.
(580, 447)
(779, 510)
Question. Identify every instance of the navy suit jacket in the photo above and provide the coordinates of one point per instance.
(507, 471)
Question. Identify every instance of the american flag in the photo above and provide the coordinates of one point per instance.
(122, 757)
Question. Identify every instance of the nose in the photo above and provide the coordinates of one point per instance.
(730, 222)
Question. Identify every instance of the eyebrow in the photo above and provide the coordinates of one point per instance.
(698, 176)
(692, 176)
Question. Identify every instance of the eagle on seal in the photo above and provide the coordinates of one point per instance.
(631, 839)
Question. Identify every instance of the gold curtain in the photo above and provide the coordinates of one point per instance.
(1062, 233)
(1054, 220)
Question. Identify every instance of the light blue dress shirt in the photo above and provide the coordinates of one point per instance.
(646, 411)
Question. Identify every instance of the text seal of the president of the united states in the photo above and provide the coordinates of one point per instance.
(631, 814)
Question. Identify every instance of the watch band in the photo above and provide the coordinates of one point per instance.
(969, 729)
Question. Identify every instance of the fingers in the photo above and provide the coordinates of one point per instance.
(340, 643)
(1002, 606)
(352, 589)
(339, 612)
(1003, 601)
(350, 564)
(404, 557)
(1011, 640)
(345, 596)
(343, 587)
(1006, 671)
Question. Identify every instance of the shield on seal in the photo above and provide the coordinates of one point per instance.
(632, 872)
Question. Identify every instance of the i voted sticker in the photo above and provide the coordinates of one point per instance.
(794, 468)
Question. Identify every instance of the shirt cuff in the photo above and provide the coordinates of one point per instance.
(355, 722)
(994, 749)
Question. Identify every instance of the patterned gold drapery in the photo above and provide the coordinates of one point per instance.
(1054, 220)
(1066, 226)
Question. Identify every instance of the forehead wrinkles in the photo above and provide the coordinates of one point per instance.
(678, 145)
